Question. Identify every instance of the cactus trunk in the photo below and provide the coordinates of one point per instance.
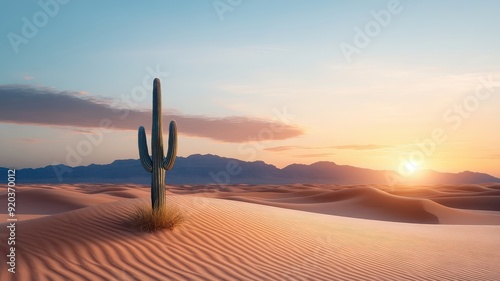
(158, 175)
(158, 199)
(157, 164)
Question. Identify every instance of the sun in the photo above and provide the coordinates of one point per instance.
(412, 168)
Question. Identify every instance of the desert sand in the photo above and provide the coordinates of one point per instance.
(244, 232)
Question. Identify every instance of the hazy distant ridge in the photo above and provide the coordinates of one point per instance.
(213, 169)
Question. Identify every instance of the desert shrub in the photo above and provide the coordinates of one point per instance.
(144, 218)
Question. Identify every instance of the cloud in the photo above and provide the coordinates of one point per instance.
(351, 147)
(315, 155)
(296, 147)
(23, 104)
(27, 78)
(30, 140)
(281, 148)
(362, 147)
(497, 156)
(83, 131)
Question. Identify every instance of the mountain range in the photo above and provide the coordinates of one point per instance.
(213, 169)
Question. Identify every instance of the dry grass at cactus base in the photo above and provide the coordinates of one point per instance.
(145, 219)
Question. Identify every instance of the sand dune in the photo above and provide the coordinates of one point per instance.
(87, 238)
(366, 203)
(405, 204)
(491, 203)
(46, 202)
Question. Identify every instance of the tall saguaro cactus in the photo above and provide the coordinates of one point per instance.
(157, 165)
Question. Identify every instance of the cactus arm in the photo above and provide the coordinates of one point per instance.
(146, 161)
(168, 161)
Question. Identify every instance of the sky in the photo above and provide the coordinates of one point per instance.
(397, 85)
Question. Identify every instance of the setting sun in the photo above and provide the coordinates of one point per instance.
(412, 168)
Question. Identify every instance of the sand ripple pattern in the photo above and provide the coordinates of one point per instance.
(231, 240)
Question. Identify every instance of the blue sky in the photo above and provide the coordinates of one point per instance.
(256, 59)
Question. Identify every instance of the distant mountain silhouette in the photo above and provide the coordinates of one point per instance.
(213, 169)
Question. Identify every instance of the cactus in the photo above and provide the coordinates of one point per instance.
(157, 165)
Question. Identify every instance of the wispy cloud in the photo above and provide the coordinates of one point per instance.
(27, 78)
(362, 147)
(83, 131)
(350, 147)
(22, 104)
(30, 140)
(490, 157)
(315, 155)
(282, 148)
